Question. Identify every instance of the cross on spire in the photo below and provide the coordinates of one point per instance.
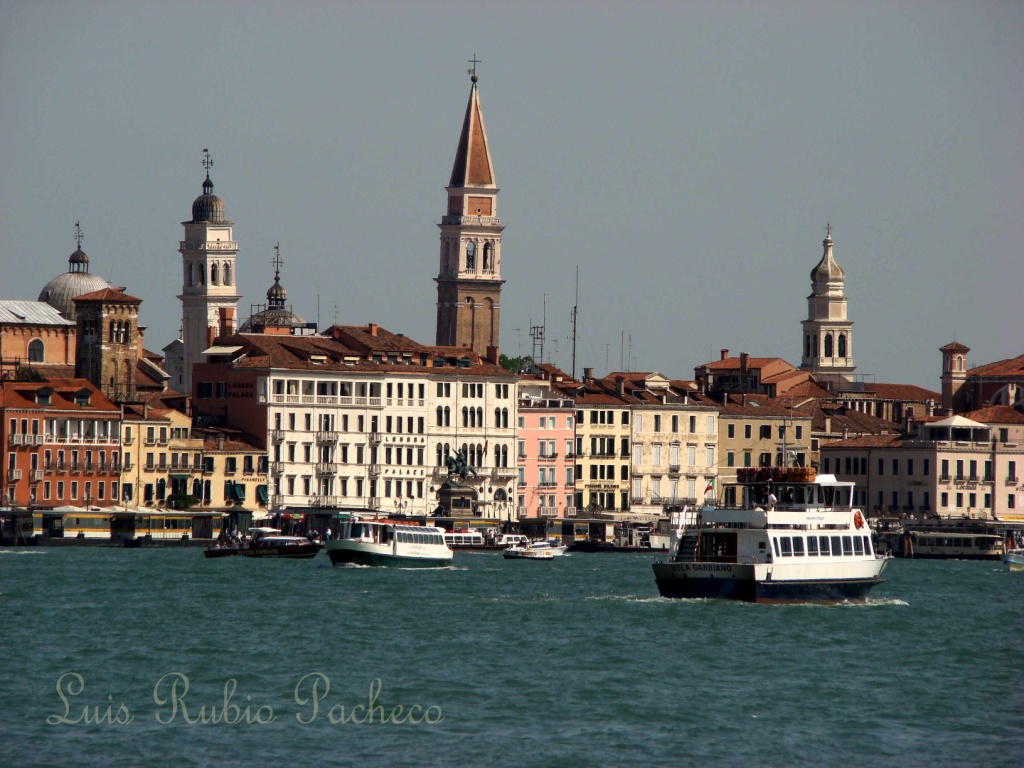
(474, 61)
(828, 229)
(79, 234)
(207, 161)
(277, 261)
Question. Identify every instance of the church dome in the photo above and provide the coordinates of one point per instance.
(276, 294)
(207, 207)
(827, 270)
(61, 292)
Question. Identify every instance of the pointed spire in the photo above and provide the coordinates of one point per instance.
(472, 166)
(276, 294)
(827, 270)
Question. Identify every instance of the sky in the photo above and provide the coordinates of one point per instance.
(683, 157)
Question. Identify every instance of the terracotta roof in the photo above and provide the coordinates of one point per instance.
(109, 295)
(996, 414)
(807, 388)
(867, 441)
(1011, 367)
(22, 394)
(907, 392)
(372, 338)
(773, 364)
(954, 346)
(845, 419)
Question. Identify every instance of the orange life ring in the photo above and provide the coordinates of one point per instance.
(858, 520)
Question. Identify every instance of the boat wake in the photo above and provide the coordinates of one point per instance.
(23, 552)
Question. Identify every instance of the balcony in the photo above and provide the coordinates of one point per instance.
(17, 439)
(548, 512)
(76, 466)
(974, 479)
(128, 440)
(277, 501)
(88, 467)
(504, 473)
(277, 435)
(1011, 479)
(548, 457)
(327, 437)
(944, 478)
(277, 468)
(522, 511)
(13, 475)
(35, 475)
(207, 245)
(374, 502)
(374, 470)
(674, 468)
(375, 438)
(325, 468)
(570, 511)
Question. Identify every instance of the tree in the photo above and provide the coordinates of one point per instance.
(516, 364)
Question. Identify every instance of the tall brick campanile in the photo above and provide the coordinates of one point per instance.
(469, 277)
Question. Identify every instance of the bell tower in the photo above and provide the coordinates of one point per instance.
(208, 275)
(827, 333)
(469, 276)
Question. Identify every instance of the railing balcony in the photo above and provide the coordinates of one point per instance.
(325, 468)
(17, 439)
(960, 478)
(1011, 479)
(277, 435)
(35, 475)
(548, 511)
(13, 475)
(505, 473)
(327, 436)
(548, 484)
(674, 468)
(482, 221)
(375, 438)
(150, 441)
(374, 502)
(62, 467)
(277, 468)
(522, 511)
(277, 501)
(230, 470)
(374, 401)
(330, 501)
(974, 478)
(76, 466)
(570, 511)
(944, 478)
(89, 467)
(374, 470)
(548, 457)
(128, 440)
(207, 245)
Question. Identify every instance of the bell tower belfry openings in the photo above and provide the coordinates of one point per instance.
(827, 332)
(208, 276)
(469, 275)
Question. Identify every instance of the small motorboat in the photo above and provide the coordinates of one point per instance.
(529, 553)
(268, 542)
(1014, 559)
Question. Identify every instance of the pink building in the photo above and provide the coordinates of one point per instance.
(545, 451)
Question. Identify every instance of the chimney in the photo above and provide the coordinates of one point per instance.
(220, 442)
(725, 354)
(828, 425)
(588, 375)
(744, 357)
(145, 410)
(620, 385)
(227, 321)
(492, 355)
(373, 329)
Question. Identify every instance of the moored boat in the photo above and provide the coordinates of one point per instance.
(812, 547)
(1014, 559)
(385, 542)
(268, 542)
(952, 545)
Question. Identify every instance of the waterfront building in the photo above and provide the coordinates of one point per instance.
(545, 447)
(673, 443)
(371, 427)
(952, 467)
(827, 331)
(209, 295)
(62, 438)
(469, 274)
(234, 472)
(771, 376)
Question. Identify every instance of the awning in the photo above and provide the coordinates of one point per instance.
(261, 493)
(238, 491)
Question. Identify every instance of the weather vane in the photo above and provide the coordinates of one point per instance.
(79, 234)
(277, 261)
(474, 61)
(207, 161)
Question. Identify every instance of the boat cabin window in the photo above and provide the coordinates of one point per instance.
(823, 545)
(775, 539)
(798, 546)
(847, 545)
(837, 546)
(858, 545)
(867, 545)
(812, 546)
(787, 546)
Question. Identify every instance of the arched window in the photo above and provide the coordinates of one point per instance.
(470, 256)
(959, 362)
(113, 326)
(828, 345)
(200, 273)
(465, 416)
(447, 417)
(807, 346)
(440, 419)
(446, 251)
(815, 346)
(191, 274)
(36, 351)
(504, 418)
(842, 345)
(213, 274)
(480, 417)
(497, 417)
(440, 456)
(504, 455)
(227, 273)
(488, 257)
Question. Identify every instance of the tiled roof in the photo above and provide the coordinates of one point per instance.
(109, 295)
(996, 414)
(472, 165)
(867, 441)
(1011, 367)
(22, 394)
(954, 346)
(906, 392)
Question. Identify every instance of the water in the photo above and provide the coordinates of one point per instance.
(576, 661)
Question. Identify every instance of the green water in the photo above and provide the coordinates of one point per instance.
(575, 661)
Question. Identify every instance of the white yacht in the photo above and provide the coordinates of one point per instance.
(812, 546)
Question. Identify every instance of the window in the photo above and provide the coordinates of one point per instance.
(731, 431)
(36, 352)
(747, 431)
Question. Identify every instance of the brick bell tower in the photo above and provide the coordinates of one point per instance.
(469, 277)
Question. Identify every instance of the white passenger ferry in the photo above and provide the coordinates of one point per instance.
(813, 546)
(385, 542)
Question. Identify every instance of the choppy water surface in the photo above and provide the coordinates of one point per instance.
(575, 661)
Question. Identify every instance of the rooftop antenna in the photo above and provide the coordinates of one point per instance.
(519, 341)
(335, 313)
(575, 311)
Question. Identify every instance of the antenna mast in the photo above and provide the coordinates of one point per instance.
(575, 310)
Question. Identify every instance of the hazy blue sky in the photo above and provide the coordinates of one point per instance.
(686, 156)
